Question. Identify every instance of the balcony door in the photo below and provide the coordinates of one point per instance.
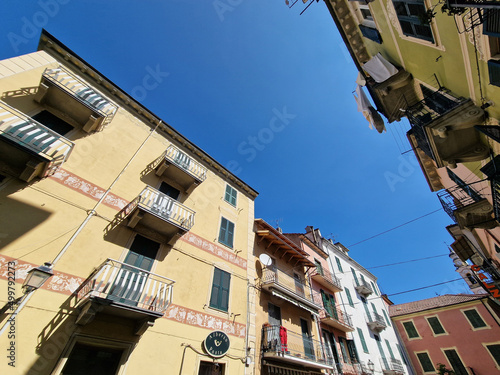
(273, 332)
(331, 350)
(130, 281)
(307, 340)
(299, 286)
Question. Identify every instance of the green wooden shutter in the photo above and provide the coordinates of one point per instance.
(226, 232)
(339, 265)
(401, 354)
(426, 362)
(436, 326)
(382, 354)
(374, 308)
(491, 25)
(386, 318)
(319, 267)
(230, 195)
(494, 72)
(455, 362)
(362, 339)
(389, 348)
(353, 352)
(343, 348)
(474, 318)
(367, 311)
(219, 298)
(348, 294)
(326, 302)
(355, 276)
(495, 352)
(411, 331)
(374, 288)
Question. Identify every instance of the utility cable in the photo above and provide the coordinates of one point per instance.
(399, 226)
(408, 261)
(425, 287)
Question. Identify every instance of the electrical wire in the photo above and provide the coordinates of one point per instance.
(399, 226)
(407, 261)
(424, 287)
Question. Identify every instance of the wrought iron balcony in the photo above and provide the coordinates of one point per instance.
(291, 288)
(293, 348)
(155, 210)
(443, 126)
(178, 166)
(363, 288)
(473, 3)
(391, 366)
(376, 322)
(333, 316)
(67, 93)
(30, 149)
(467, 209)
(124, 290)
(326, 279)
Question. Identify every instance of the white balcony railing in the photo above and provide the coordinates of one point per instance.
(129, 285)
(183, 161)
(80, 90)
(162, 206)
(35, 137)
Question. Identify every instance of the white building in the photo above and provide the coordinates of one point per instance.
(378, 348)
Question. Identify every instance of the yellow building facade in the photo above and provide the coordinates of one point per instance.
(150, 239)
(438, 66)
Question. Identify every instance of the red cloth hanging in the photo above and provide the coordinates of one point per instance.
(283, 339)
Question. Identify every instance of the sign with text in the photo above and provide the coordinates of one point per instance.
(217, 344)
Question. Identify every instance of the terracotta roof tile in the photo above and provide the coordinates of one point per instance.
(432, 303)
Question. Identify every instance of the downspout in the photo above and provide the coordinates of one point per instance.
(90, 213)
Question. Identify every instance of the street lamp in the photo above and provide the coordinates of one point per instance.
(371, 366)
(37, 277)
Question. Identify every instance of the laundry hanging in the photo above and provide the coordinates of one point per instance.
(370, 113)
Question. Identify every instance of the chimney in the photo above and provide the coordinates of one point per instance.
(309, 229)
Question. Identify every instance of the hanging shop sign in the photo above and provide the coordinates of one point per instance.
(217, 344)
(492, 288)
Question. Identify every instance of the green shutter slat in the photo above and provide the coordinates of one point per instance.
(355, 276)
(494, 72)
(371, 33)
(387, 318)
(389, 348)
(348, 294)
(475, 318)
(491, 25)
(455, 362)
(219, 298)
(436, 326)
(426, 362)
(495, 352)
(362, 339)
(339, 265)
(410, 330)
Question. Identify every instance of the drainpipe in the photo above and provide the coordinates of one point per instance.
(90, 213)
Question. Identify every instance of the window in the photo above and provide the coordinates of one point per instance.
(474, 318)
(412, 17)
(386, 318)
(436, 326)
(343, 349)
(219, 298)
(230, 196)
(319, 267)
(494, 350)
(88, 359)
(52, 122)
(455, 362)
(339, 265)
(374, 288)
(169, 190)
(425, 362)
(362, 339)
(211, 368)
(348, 294)
(389, 348)
(353, 352)
(226, 232)
(494, 72)
(410, 329)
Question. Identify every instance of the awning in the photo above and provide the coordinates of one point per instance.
(273, 369)
(295, 302)
(379, 68)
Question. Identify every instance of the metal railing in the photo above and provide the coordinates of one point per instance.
(495, 191)
(129, 285)
(81, 91)
(301, 346)
(330, 311)
(185, 162)
(430, 108)
(163, 206)
(392, 365)
(332, 279)
(25, 131)
(296, 286)
(374, 317)
(454, 199)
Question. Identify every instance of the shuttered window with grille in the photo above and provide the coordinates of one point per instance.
(413, 19)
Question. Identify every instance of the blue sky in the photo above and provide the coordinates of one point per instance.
(268, 93)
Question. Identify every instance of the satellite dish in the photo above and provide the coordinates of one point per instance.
(265, 259)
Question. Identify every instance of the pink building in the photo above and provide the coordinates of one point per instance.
(461, 331)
